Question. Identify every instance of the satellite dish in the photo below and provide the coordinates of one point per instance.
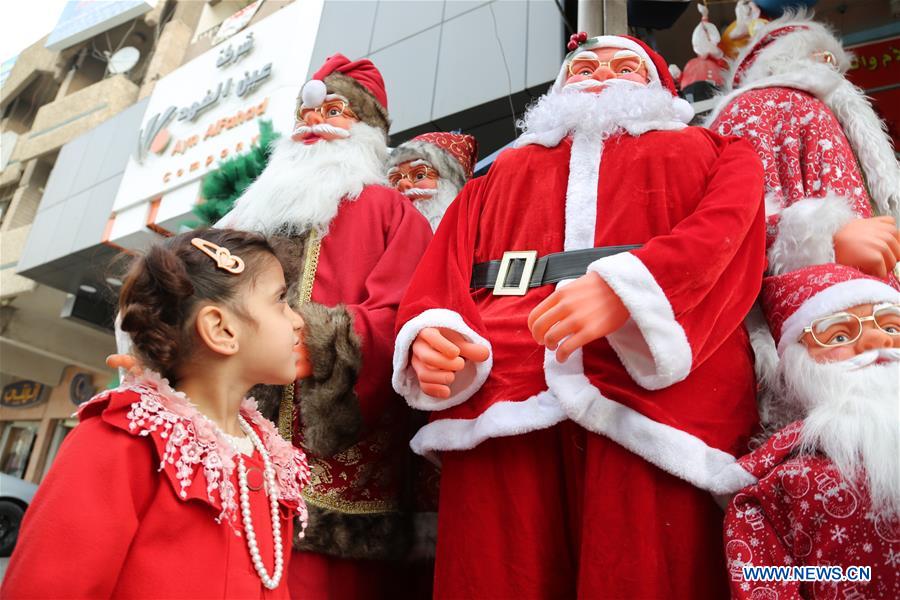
(123, 60)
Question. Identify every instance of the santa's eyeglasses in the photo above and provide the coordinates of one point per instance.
(845, 328)
(337, 107)
(414, 174)
(619, 65)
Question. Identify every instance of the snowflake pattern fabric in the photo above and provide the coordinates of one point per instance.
(803, 512)
(803, 149)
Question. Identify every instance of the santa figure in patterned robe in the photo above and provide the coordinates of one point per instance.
(431, 168)
(827, 485)
(827, 158)
(352, 244)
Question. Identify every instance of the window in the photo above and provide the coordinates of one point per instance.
(62, 429)
(16, 445)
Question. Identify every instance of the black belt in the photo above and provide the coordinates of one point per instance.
(525, 270)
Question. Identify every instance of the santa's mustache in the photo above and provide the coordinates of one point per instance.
(870, 357)
(321, 128)
(416, 193)
(593, 84)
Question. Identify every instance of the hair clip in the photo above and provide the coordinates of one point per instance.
(225, 260)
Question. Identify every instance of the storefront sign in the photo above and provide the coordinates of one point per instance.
(22, 394)
(81, 389)
(206, 110)
(875, 68)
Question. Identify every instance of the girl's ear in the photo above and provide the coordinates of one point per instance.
(217, 329)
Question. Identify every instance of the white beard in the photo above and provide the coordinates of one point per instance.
(622, 106)
(433, 207)
(852, 416)
(303, 185)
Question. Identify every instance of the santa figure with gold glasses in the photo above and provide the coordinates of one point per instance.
(826, 486)
(431, 168)
(575, 330)
(353, 243)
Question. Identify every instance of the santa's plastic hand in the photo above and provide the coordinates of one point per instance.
(438, 354)
(123, 361)
(583, 311)
(870, 245)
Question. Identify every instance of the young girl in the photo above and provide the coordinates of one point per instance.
(174, 485)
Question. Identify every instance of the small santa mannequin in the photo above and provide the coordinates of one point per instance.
(706, 70)
(827, 488)
(826, 155)
(431, 168)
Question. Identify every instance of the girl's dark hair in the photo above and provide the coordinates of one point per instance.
(164, 286)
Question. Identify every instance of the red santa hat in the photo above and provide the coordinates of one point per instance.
(657, 68)
(358, 81)
(452, 154)
(791, 301)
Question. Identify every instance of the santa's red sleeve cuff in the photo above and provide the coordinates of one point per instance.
(466, 383)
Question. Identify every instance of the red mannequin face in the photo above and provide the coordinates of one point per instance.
(872, 337)
(411, 174)
(603, 64)
(335, 112)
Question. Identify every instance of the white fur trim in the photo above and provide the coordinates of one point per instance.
(835, 298)
(501, 419)
(672, 450)
(467, 382)
(581, 191)
(313, 93)
(684, 110)
(873, 147)
(652, 345)
(806, 230)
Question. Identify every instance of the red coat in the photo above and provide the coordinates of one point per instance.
(675, 384)
(813, 182)
(115, 518)
(803, 512)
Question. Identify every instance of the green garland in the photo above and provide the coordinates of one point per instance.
(226, 184)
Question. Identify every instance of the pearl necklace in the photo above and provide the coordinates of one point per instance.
(271, 491)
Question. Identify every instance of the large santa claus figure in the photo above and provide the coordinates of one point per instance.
(825, 152)
(575, 329)
(353, 244)
(827, 489)
(431, 168)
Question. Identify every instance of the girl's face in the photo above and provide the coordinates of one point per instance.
(269, 342)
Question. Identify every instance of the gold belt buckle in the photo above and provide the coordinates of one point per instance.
(520, 288)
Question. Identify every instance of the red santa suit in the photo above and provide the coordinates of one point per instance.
(802, 511)
(351, 267)
(824, 151)
(143, 502)
(588, 476)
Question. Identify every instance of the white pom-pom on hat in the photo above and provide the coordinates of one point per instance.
(683, 110)
(313, 93)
